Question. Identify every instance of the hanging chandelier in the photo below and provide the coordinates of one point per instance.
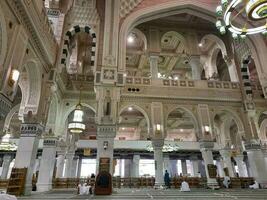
(252, 12)
(6, 145)
(167, 147)
(77, 125)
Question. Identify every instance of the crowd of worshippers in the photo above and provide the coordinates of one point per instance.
(185, 186)
(86, 189)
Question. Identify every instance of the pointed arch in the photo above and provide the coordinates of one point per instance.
(67, 40)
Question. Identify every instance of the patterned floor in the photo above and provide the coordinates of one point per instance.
(172, 194)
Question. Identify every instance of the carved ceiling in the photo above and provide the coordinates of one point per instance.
(127, 6)
(173, 52)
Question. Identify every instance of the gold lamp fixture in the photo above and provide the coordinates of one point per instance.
(77, 125)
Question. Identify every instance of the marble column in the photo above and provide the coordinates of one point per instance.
(45, 177)
(166, 164)
(226, 155)
(257, 164)
(69, 165)
(153, 60)
(158, 157)
(173, 171)
(232, 69)
(184, 167)
(206, 151)
(27, 151)
(74, 167)
(79, 167)
(7, 159)
(242, 169)
(219, 165)
(135, 166)
(195, 64)
(195, 163)
(127, 167)
(105, 144)
(37, 164)
(60, 164)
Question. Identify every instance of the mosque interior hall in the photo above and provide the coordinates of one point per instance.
(133, 99)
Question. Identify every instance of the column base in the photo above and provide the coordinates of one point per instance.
(213, 184)
(28, 190)
(43, 187)
(159, 186)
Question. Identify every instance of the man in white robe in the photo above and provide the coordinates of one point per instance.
(7, 197)
(185, 187)
(255, 185)
(226, 181)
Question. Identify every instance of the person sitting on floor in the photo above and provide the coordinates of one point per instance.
(84, 189)
(226, 181)
(185, 187)
(255, 185)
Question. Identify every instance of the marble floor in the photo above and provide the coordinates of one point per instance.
(136, 194)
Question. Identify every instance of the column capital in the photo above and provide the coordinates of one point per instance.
(50, 141)
(136, 158)
(158, 143)
(225, 153)
(7, 158)
(106, 131)
(31, 129)
(206, 145)
(252, 146)
(194, 58)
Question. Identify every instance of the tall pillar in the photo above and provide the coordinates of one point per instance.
(127, 167)
(173, 170)
(195, 163)
(60, 164)
(135, 168)
(219, 165)
(166, 164)
(5, 166)
(206, 151)
(79, 167)
(105, 144)
(69, 164)
(257, 163)
(184, 167)
(45, 176)
(27, 151)
(37, 164)
(153, 60)
(226, 155)
(242, 169)
(74, 167)
(195, 64)
(158, 157)
(232, 69)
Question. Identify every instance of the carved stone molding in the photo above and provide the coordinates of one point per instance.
(106, 131)
(127, 6)
(31, 129)
(38, 27)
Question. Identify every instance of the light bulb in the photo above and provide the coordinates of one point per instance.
(218, 24)
(219, 10)
(130, 39)
(222, 30)
(15, 75)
